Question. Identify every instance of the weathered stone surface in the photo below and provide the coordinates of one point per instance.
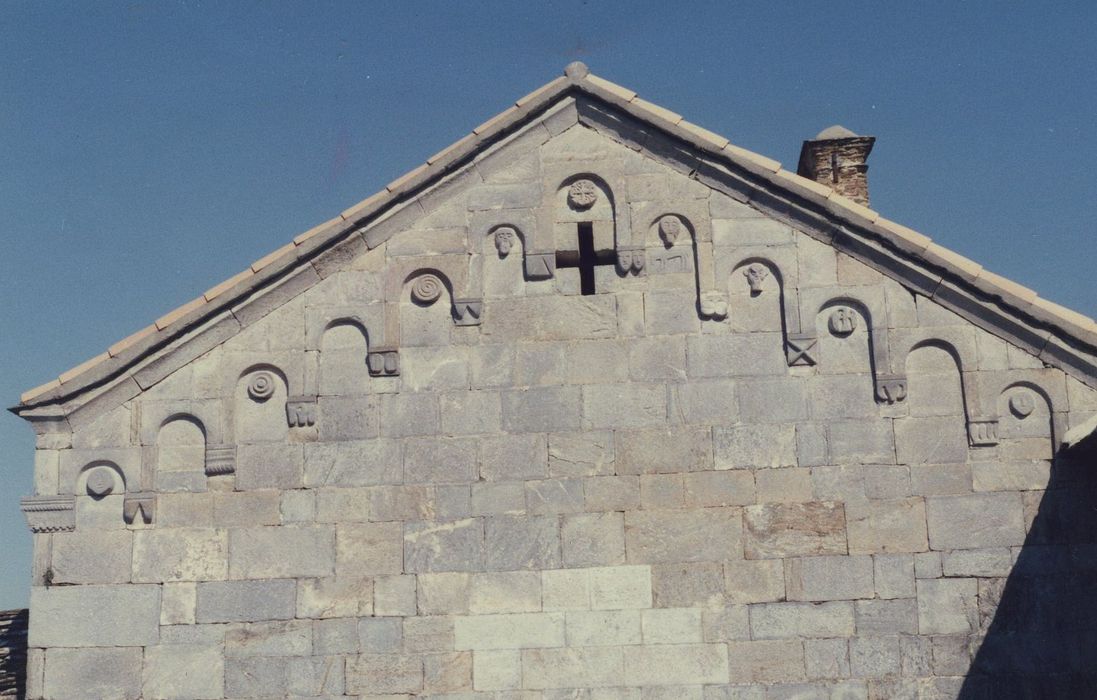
(279, 552)
(182, 672)
(72, 616)
(246, 601)
(98, 673)
(596, 539)
(663, 451)
(830, 578)
(792, 620)
(521, 542)
(440, 460)
(354, 463)
(947, 606)
(378, 674)
(754, 446)
(369, 548)
(624, 405)
(710, 534)
(580, 454)
(766, 661)
(976, 520)
(180, 554)
(886, 526)
(792, 529)
(92, 557)
(541, 409)
(444, 546)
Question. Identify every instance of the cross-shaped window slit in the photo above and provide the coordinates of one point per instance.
(586, 258)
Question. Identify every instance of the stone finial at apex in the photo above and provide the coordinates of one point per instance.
(576, 70)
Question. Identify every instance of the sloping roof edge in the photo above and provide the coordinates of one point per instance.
(319, 250)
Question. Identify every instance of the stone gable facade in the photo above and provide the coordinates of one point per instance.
(577, 422)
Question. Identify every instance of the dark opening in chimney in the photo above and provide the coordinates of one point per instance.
(837, 158)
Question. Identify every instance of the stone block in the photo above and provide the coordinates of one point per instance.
(380, 635)
(550, 318)
(539, 363)
(509, 457)
(861, 442)
(516, 631)
(874, 657)
(73, 616)
(984, 563)
(182, 672)
(677, 664)
(551, 496)
(348, 417)
(760, 581)
(594, 539)
(611, 493)
(829, 578)
(580, 454)
(342, 505)
(773, 400)
(504, 592)
(662, 491)
(565, 589)
(497, 669)
(976, 520)
(947, 606)
(725, 624)
(269, 466)
(354, 463)
(177, 603)
(754, 446)
(93, 673)
(334, 597)
(712, 402)
(620, 587)
(671, 625)
(581, 667)
(766, 661)
(444, 546)
(595, 361)
(498, 498)
(779, 530)
(826, 658)
(99, 556)
(443, 593)
(884, 481)
(541, 409)
(670, 312)
(787, 485)
(408, 414)
(622, 406)
(281, 638)
(254, 677)
(927, 565)
(657, 359)
(707, 489)
(513, 542)
(746, 354)
(708, 534)
(894, 575)
(315, 676)
(246, 601)
(692, 585)
(394, 596)
(586, 628)
(380, 674)
(471, 412)
(447, 672)
(364, 549)
(887, 526)
(811, 444)
(663, 451)
(887, 617)
(419, 501)
(180, 554)
(440, 460)
(801, 620)
(1011, 476)
(246, 508)
(281, 552)
(932, 440)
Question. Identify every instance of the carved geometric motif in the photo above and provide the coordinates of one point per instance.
(756, 274)
(540, 266)
(261, 386)
(800, 349)
(983, 432)
(139, 505)
(49, 513)
(220, 459)
(467, 312)
(383, 362)
(582, 195)
(891, 388)
(426, 289)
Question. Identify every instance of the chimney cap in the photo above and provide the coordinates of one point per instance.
(835, 132)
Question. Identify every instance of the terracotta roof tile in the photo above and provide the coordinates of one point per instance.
(656, 111)
(173, 316)
(361, 208)
(542, 91)
(716, 140)
(847, 204)
(39, 390)
(217, 290)
(919, 241)
(270, 258)
(767, 163)
(126, 342)
(83, 367)
(614, 89)
(967, 268)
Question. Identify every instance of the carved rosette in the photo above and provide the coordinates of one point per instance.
(504, 240)
(756, 274)
(467, 312)
(301, 411)
(426, 289)
(891, 388)
(220, 459)
(261, 386)
(582, 194)
(47, 514)
(842, 322)
(983, 432)
(139, 508)
(714, 306)
(383, 362)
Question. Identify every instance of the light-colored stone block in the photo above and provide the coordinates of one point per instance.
(565, 589)
(93, 673)
(180, 554)
(517, 631)
(369, 548)
(801, 620)
(499, 669)
(829, 578)
(278, 552)
(886, 526)
(587, 628)
(671, 625)
(761, 581)
(582, 667)
(976, 520)
(246, 601)
(178, 602)
(505, 592)
(789, 529)
(181, 672)
(766, 661)
(620, 587)
(947, 606)
(74, 616)
(754, 446)
(677, 664)
(660, 536)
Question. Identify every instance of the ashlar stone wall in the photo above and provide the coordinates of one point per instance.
(745, 466)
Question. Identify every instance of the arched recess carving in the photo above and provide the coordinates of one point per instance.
(582, 193)
(259, 400)
(494, 269)
(936, 427)
(103, 498)
(677, 238)
(758, 286)
(1026, 421)
(219, 454)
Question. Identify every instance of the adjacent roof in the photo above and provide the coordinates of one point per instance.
(13, 653)
(1057, 335)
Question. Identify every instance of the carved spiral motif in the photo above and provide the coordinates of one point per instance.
(261, 386)
(426, 289)
(582, 194)
(100, 482)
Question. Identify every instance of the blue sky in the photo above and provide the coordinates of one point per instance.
(151, 150)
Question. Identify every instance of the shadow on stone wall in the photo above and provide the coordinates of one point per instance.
(1042, 640)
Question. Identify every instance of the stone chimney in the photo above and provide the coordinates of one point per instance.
(836, 158)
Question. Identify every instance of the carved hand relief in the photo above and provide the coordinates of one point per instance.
(504, 240)
(100, 482)
(983, 432)
(670, 227)
(582, 195)
(426, 289)
(1021, 405)
(756, 274)
(714, 306)
(842, 322)
(261, 386)
(301, 411)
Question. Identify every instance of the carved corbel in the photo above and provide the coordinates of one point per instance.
(220, 459)
(631, 260)
(467, 312)
(383, 362)
(301, 411)
(983, 432)
(540, 266)
(890, 388)
(47, 514)
(714, 305)
(800, 349)
(139, 505)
